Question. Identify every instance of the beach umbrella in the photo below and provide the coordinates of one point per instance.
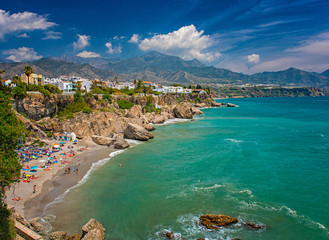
(56, 146)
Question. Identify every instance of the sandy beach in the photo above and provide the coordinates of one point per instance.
(51, 184)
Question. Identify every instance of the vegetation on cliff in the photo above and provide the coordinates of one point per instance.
(11, 131)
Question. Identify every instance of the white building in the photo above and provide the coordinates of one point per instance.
(66, 87)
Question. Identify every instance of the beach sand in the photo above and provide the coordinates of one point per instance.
(53, 183)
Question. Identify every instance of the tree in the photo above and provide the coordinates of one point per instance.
(11, 131)
(17, 79)
(28, 71)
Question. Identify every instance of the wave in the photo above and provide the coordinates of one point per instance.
(283, 209)
(175, 120)
(133, 142)
(234, 140)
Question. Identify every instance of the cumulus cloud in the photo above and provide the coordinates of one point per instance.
(23, 35)
(52, 35)
(186, 43)
(22, 21)
(253, 58)
(82, 42)
(86, 54)
(134, 38)
(21, 54)
(111, 49)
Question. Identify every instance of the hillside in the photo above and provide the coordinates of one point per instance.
(160, 68)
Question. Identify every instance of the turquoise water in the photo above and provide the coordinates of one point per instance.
(266, 161)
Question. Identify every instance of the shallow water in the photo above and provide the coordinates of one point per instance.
(266, 161)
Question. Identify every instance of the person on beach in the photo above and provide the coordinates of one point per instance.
(68, 170)
(34, 188)
(65, 170)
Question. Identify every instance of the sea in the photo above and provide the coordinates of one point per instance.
(265, 161)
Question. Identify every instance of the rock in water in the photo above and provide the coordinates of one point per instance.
(254, 226)
(100, 140)
(213, 221)
(93, 230)
(133, 131)
(230, 105)
(196, 111)
(183, 111)
(121, 143)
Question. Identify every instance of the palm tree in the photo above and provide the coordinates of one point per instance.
(28, 71)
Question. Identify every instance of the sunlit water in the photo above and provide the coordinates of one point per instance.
(266, 161)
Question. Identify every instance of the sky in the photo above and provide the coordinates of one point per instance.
(246, 36)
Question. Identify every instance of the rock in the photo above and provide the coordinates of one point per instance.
(183, 111)
(230, 105)
(149, 127)
(169, 235)
(216, 104)
(134, 112)
(212, 221)
(93, 224)
(36, 223)
(95, 234)
(17, 216)
(121, 143)
(196, 111)
(59, 236)
(87, 141)
(75, 237)
(200, 105)
(133, 131)
(254, 226)
(158, 119)
(100, 140)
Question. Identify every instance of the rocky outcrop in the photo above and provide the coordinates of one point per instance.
(30, 126)
(230, 105)
(254, 226)
(100, 140)
(183, 111)
(216, 104)
(133, 131)
(93, 230)
(134, 112)
(196, 111)
(36, 223)
(121, 143)
(213, 221)
(59, 235)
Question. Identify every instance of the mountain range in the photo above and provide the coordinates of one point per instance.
(161, 68)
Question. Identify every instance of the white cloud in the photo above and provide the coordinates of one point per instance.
(82, 42)
(23, 35)
(253, 58)
(118, 38)
(134, 38)
(186, 43)
(22, 21)
(52, 35)
(318, 45)
(21, 54)
(86, 54)
(111, 49)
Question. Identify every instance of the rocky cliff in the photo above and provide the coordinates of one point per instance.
(108, 124)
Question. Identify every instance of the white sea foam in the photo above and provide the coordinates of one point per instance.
(133, 142)
(247, 191)
(175, 120)
(234, 140)
(215, 186)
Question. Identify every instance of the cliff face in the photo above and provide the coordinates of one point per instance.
(109, 122)
(35, 106)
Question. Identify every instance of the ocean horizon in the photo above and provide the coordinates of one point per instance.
(264, 161)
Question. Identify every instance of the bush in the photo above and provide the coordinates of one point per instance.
(20, 91)
(52, 89)
(71, 108)
(49, 134)
(124, 104)
(78, 97)
(45, 92)
(87, 110)
(108, 97)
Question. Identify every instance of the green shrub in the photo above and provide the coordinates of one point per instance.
(20, 91)
(45, 92)
(108, 97)
(71, 108)
(87, 110)
(49, 134)
(52, 89)
(77, 97)
(24, 114)
(124, 104)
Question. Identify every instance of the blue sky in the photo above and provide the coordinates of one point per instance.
(245, 36)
